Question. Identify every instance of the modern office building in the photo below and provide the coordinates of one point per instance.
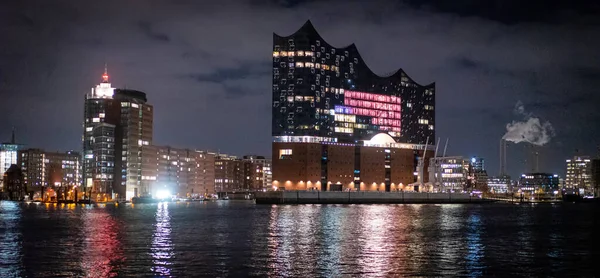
(539, 183)
(117, 124)
(57, 170)
(8, 155)
(498, 185)
(579, 175)
(336, 125)
(478, 164)
(449, 174)
(182, 172)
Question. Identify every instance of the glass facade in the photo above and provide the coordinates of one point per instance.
(327, 94)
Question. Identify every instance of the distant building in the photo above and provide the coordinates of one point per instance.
(337, 126)
(501, 184)
(449, 174)
(13, 183)
(117, 124)
(539, 183)
(50, 169)
(8, 155)
(579, 175)
(478, 164)
(229, 174)
(182, 172)
(596, 176)
(257, 173)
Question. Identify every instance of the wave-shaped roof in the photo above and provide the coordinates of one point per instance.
(310, 29)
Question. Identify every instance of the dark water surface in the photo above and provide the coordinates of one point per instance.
(239, 238)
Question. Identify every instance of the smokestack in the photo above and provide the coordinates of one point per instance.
(502, 157)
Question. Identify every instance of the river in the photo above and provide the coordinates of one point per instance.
(240, 238)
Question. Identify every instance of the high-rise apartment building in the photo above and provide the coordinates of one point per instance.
(58, 170)
(117, 123)
(182, 172)
(579, 175)
(339, 126)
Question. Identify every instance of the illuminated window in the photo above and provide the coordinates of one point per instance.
(285, 153)
(423, 121)
(135, 105)
(428, 107)
(89, 128)
(408, 104)
(430, 127)
(101, 115)
(124, 104)
(96, 120)
(300, 53)
(275, 53)
(299, 64)
(290, 53)
(308, 53)
(309, 65)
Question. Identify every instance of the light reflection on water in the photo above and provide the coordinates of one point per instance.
(10, 239)
(238, 239)
(102, 252)
(162, 248)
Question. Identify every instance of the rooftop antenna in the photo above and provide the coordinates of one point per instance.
(446, 146)
(105, 75)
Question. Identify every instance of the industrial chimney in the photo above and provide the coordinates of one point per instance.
(502, 157)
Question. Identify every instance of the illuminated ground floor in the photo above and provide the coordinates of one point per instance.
(344, 167)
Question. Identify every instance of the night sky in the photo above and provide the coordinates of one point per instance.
(206, 67)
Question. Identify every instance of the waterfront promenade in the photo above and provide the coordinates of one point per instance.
(364, 197)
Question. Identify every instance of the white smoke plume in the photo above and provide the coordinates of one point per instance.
(531, 129)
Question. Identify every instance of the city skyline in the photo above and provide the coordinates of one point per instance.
(230, 77)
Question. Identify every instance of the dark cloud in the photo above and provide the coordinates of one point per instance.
(205, 66)
(146, 28)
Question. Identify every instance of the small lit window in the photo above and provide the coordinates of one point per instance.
(275, 53)
(299, 64)
(101, 115)
(96, 120)
(300, 53)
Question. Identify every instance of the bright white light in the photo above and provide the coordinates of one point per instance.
(162, 194)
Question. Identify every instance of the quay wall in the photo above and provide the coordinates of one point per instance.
(363, 197)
